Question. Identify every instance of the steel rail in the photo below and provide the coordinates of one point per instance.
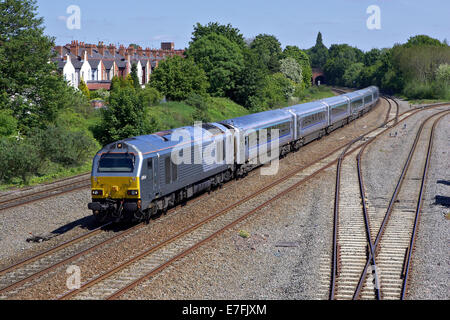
(54, 249)
(335, 250)
(405, 272)
(391, 203)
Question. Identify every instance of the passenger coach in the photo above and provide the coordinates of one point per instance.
(140, 177)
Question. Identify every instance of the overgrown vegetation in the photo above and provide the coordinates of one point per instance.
(418, 69)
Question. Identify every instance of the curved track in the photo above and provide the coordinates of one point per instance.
(355, 252)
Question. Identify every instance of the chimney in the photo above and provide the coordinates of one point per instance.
(74, 47)
(122, 50)
(140, 51)
(101, 48)
(112, 49)
(130, 50)
(59, 50)
(147, 52)
(90, 49)
(168, 46)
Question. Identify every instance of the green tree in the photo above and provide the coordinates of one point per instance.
(303, 60)
(29, 84)
(151, 96)
(318, 54)
(84, 89)
(268, 49)
(228, 31)
(443, 73)
(18, 159)
(177, 78)
(291, 69)
(423, 40)
(125, 117)
(341, 56)
(352, 75)
(134, 76)
(115, 83)
(274, 92)
(221, 59)
(250, 79)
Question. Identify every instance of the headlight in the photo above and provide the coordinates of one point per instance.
(133, 193)
(97, 192)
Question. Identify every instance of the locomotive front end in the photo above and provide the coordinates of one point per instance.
(116, 191)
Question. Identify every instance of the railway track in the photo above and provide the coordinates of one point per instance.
(133, 272)
(358, 269)
(50, 190)
(178, 246)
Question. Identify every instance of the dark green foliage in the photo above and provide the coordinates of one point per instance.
(341, 57)
(115, 83)
(18, 159)
(134, 76)
(177, 78)
(249, 80)
(318, 54)
(423, 40)
(8, 124)
(29, 84)
(151, 96)
(268, 49)
(221, 59)
(124, 118)
(59, 145)
(232, 34)
(275, 90)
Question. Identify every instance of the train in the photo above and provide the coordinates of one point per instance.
(142, 177)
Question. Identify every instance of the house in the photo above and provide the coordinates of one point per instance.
(98, 64)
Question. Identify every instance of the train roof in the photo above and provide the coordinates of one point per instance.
(161, 142)
(257, 120)
(335, 100)
(306, 107)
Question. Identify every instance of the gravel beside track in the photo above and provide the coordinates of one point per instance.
(431, 258)
(63, 217)
(280, 260)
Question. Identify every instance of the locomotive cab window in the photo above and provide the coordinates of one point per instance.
(120, 163)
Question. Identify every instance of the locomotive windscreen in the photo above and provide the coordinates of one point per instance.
(122, 163)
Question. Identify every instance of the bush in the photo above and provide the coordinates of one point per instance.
(201, 107)
(8, 124)
(68, 148)
(426, 90)
(18, 159)
(151, 96)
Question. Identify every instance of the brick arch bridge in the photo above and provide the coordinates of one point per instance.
(318, 75)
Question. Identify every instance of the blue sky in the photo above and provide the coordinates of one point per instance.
(150, 22)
